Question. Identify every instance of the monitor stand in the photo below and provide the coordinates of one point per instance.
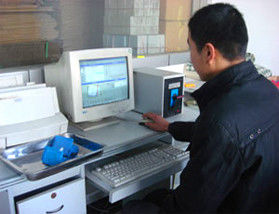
(90, 125)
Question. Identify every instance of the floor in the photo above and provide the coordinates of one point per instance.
(104, 207)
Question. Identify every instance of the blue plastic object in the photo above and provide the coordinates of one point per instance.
(52, 156)
(73, 151)
(63, 144)
(59, 150)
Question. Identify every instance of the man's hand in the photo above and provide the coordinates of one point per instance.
(274, 78)
(158, 124)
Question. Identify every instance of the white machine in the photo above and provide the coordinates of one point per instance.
(158, 91)
(29, 113)
(93, 85)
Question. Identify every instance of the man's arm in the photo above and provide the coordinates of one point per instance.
(214, 168)
(181, 131)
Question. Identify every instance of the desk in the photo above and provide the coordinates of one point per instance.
(13, 185)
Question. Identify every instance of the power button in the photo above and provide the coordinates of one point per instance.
(53, 195)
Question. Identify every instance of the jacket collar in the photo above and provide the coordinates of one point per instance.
(231, 76)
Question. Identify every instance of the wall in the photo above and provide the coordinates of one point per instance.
(262, 19)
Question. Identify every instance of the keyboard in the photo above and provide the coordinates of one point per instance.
(126, 169)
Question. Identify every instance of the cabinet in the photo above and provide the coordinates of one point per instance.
(65, 199)
(4, 202)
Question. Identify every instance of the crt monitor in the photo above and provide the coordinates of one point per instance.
(93, 85)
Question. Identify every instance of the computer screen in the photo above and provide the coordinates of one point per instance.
(104, 81)
(93, 84)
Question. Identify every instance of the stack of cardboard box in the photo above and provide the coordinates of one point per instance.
(135, 24)
(29, 33)
(174, 17)
(16, 2)
(17, 27)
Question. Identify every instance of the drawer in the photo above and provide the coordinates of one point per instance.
(65, 199)
(137, 184)
(123, 191)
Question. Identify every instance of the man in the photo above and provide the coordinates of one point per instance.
(234, 150)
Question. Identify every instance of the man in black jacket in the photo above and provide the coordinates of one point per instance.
(234, 150)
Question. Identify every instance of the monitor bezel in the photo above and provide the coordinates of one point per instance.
(98, 112)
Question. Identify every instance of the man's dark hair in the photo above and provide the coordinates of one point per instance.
(223, 26)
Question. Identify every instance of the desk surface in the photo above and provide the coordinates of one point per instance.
(115, 138)
(8, 175)
(128, 130)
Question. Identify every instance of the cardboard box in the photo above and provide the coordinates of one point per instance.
(138, 30)
(156, 41)
(127, 4)
(29, 32)
(130, 21)
(31, 53)
(141, 44)
(134, 41)
(27, 27)
(139, 51)
(111, 41)
(17, 2)
(176, 34)
(175, 9)
(134, 12)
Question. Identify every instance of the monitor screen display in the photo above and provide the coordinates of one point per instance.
(104, 81)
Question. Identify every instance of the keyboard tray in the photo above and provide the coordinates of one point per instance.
(133, 186)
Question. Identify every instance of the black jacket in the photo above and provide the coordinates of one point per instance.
(234, 153)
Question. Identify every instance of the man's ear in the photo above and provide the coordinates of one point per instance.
(209, 52)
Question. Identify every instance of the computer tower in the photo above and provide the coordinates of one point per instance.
(158, 91)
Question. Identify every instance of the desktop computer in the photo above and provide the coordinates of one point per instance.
(96, 85)
(93, 85)
(158, 91)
